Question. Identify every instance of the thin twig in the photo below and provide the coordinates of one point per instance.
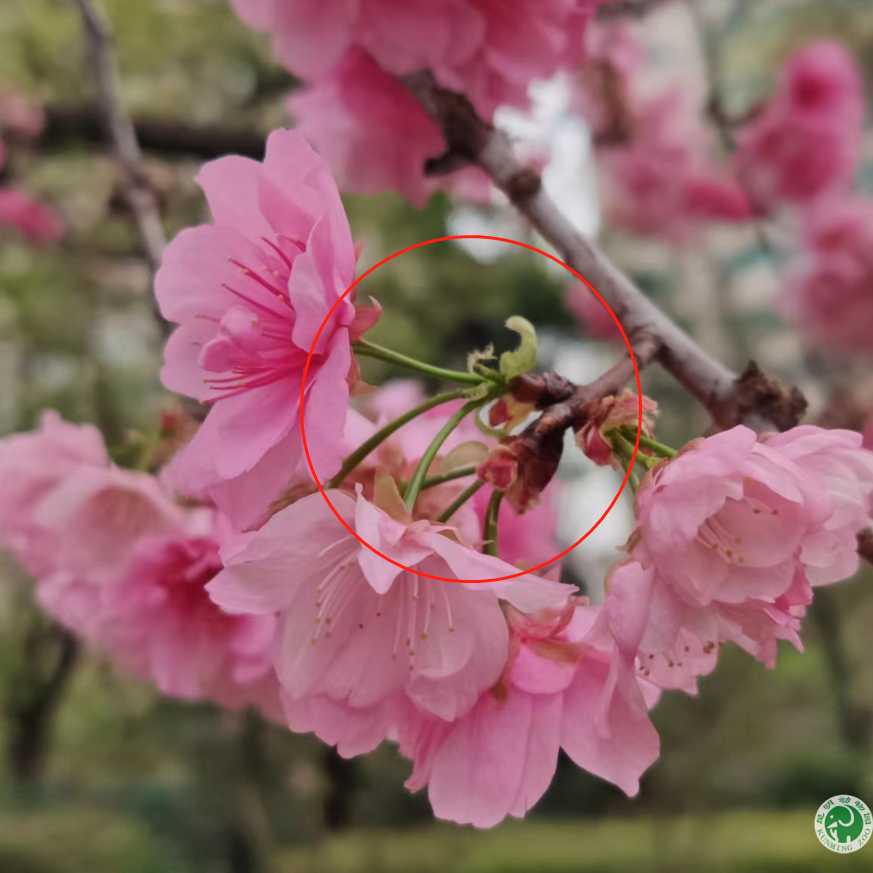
(472, 140)
(135, 188)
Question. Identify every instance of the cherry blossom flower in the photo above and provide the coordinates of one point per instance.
(362, 635)
(250, 292)
(489, 50)
(158, 621)
(374, 135)
(35, 221)
(672, 640)
(807, 140)
(727, 518)
(828, 297)
(837, 462)
(732, 533)
(93, 521)
(116, 561)
(32, 465)
(562, 687)
(659, 182)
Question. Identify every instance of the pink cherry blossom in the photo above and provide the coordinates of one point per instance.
(828, 297)
(562, 687)
(250, 292)
(659, 182)
(374, 135)
(158, 621)
(837, 462)
(807, 140)
(363, 636)
(728, 519)
(33, 220)
(672, 640)
(489, 50)
(93, 520)
(868, 434)
(32, 465)
(731, 535)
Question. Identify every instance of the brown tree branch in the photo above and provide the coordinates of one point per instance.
(137, 193)
(84, 123)
(472, 140)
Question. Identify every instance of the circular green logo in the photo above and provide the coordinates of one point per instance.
(843, 823)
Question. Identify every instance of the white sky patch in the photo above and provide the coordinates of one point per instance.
(549, 130)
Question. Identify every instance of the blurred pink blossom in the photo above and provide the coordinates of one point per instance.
(374, 135)
(660, 183)
(116, 561)
(595, 319)
(33, 220)
(828, 297)
(490, 50)
(807, 140)
(32, 465)
(20, 116)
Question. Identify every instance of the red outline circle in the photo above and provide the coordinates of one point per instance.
(303, 405)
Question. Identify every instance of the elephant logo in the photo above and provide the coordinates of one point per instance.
(843, 823)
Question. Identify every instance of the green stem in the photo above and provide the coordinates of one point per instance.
(660, 448)
(460, 473)
(490, 533)
(371, 350)
(626, 447)
(420, 473)
(380, 436)
(461, 500)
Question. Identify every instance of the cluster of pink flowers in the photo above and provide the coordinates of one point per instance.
(350, 52)
(389, 613)
(32, 219)
(732, 536)
(807, 140)
(659, 179)
(803, 151)
(480, 683)
(119, 562)
(829, 294)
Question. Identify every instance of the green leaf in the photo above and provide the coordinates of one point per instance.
(524, 358)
